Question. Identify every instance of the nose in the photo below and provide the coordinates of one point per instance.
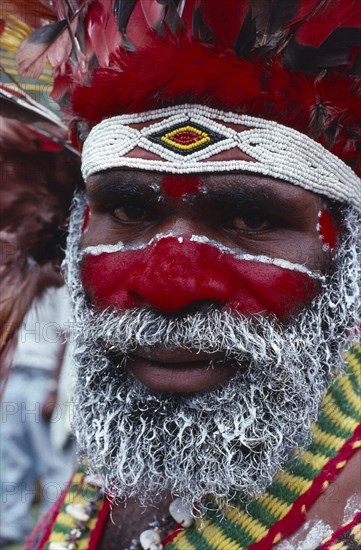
(178, 274)
(175, 275)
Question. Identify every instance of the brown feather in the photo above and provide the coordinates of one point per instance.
(35, 196)
(32, 12)
(52, 42)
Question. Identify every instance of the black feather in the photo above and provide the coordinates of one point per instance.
(356, 65)
(172, 18)
(333, 52)
(246, 38)
(273, 15)
(200, 30)
(281, 13)
(48, 33)
(123, 9)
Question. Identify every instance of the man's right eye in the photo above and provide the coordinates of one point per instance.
(130, 213)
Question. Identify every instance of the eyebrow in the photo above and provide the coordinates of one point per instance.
(108, 186)
(259, 197)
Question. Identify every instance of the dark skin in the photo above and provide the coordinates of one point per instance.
(128, 522)
(254, 214)
(251, 214)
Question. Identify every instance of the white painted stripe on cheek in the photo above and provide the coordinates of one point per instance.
(98, 249)
(201, 239)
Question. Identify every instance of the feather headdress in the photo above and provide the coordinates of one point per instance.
(293, 62)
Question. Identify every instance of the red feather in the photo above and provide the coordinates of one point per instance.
(146, 16)
(103, 36)
(334, 15)
(185, 70)
(190, 71)
(62, 83)
(224, 19)
(168, 66)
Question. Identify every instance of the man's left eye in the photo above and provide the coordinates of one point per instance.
(130, 213)
(251, 222)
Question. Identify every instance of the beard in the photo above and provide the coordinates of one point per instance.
(224, 442)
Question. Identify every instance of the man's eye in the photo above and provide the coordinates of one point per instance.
(130, 212)
(251, 222)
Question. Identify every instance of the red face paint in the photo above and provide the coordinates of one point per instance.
(169, 276)
(86, 218)
(327, 229)
(178, 186)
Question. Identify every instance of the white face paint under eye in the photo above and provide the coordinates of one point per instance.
(96, 250)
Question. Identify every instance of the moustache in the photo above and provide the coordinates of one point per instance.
(223, 334)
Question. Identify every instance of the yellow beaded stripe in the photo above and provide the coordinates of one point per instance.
(351, 539)
(247, 523)
(240, 517)
(14, 34)
(79, 493)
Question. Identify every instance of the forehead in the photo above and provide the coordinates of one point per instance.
(193, 139)
(220, 184)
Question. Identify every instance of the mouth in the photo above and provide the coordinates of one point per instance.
(175, 371)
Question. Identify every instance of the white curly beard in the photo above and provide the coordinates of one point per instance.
(232, 439)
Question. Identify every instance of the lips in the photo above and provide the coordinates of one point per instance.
(180, 371)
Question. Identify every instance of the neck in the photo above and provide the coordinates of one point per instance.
(127, 521)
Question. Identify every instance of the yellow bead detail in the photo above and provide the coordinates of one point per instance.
(168, 138)
(277, 538)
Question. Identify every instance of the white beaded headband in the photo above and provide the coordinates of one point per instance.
(183, 140)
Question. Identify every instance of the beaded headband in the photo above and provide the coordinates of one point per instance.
(185, 139)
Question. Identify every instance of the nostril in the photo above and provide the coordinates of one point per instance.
(177, 296)
(199, 306)
(139, 301)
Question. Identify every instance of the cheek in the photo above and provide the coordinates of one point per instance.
(169, 277)
(86, 219)
(327, 229)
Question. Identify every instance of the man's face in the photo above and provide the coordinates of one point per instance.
(212, 313)
(241, 243)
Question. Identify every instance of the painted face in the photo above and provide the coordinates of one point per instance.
(250, 244)
(177, 244)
